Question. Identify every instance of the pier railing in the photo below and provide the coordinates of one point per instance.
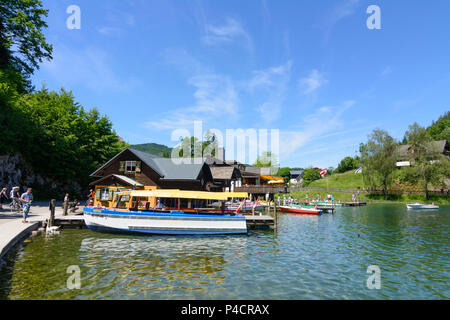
(261, 189)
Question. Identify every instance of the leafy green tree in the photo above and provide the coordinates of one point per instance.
(429, 164)
(285, 173)
(378, 157)
(310, 175)
(346, 164)
(267, 159)
(440, 130)
(22, 43)
(60, 139)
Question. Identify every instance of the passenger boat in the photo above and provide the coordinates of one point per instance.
(299, 209)
(175, 212)
(419, 206)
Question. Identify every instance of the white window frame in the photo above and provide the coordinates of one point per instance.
(131, 164)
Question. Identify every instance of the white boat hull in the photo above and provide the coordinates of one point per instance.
(163, 223)
(416, 206)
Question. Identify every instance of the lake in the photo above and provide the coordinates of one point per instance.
(307, 257)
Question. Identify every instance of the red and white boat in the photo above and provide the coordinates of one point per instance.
(300, 210)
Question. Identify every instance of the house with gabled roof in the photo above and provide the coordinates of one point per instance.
(134, 169)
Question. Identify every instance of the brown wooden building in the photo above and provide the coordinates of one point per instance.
(136, 169)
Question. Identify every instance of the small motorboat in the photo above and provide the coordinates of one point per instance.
(300, 210)
(419, 206)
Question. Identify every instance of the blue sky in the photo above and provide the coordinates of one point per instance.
(311, 69)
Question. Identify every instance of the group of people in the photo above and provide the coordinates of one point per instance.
(15, 199)
(289, 200)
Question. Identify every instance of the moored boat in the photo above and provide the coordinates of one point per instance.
(419, 206)
(152, 212)
(299, 209)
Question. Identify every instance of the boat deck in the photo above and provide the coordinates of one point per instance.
(253, 221)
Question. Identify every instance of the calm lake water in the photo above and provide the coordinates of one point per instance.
(308, 257)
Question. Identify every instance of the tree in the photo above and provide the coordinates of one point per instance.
(60, 140)
(22, 43)
(346, 164)
(267, 159)
(285, 173)
(310, 175)
(440, 130)
(429, 164)
(378, 157)
(195, 147)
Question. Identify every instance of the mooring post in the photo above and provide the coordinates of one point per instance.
(52, 212)
(275, 222)
(66, 207)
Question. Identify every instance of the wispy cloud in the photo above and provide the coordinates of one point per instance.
(323, 121)
(340, 11)
(270, 86)
(386, 71)
(312, 82)
(229, 32)
(90, 67)
(116, 22)
(215, 95)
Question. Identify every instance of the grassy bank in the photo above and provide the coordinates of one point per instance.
(347, 196)
(350, 180)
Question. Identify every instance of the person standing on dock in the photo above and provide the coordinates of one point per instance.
(27, 199)
(3, 198)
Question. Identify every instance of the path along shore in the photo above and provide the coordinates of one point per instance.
(13, 230)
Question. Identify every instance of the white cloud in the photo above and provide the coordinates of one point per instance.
(312, 82)
(320, 123)
(270, 86)
(230, 32)
(89, 66)
(386, 71)
(215, 95)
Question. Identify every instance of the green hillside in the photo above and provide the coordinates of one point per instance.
(346, 180)
(153, 148)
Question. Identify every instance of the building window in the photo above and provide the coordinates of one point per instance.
(130, 166)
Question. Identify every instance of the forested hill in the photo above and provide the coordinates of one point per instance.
(153, 148)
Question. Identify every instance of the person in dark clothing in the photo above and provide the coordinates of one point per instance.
(3, 197)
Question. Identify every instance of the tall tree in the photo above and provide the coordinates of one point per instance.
(378, 157)
(22, 43)
(427, 161)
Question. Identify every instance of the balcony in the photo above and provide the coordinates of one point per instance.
(261, 189)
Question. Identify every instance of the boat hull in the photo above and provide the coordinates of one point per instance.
(174, 223)
(299, 210)
(421, 207)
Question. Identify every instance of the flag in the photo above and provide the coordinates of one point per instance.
(359, 170)
(323, 172)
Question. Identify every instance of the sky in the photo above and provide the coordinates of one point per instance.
(312, 70)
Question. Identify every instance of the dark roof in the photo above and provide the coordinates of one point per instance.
(439, 146)
(222, 173)
(166, 168)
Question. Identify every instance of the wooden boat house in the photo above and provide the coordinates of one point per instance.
(137, 170)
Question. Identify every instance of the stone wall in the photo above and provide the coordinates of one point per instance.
(15, 172)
